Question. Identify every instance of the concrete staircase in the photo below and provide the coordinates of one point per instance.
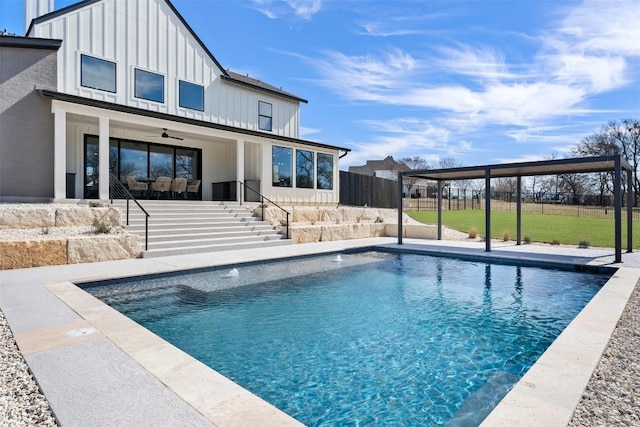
(178, 227)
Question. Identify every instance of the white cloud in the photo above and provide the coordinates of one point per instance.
(275, 9)
(605, 27)
(406, 137)
(482, 62)
(306, 132)
(305, 8)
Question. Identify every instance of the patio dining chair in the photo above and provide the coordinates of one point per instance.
(193, 188)
(134, 185)
(178, 187)
(161, 186)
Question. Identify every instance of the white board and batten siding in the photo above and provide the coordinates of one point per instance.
(146, 34)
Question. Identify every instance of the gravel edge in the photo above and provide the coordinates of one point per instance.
(21, 400)
(612, 396)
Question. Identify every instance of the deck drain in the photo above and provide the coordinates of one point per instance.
(80, 332)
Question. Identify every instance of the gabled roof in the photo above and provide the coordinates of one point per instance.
(226, 75)
(260, 85)
(387, 164)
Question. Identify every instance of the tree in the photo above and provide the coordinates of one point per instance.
(413, 163)
(447, 162)
(615, 138)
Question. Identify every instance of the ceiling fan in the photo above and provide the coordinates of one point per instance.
(164, 134)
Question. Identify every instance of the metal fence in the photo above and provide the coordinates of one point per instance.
(592, 206)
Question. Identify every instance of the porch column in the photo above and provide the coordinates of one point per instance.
(60, 154)
(240, 169)
(103, 159)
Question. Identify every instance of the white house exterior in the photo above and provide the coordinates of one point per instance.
(131, 71)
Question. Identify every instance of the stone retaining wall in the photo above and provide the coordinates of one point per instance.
(43, 216)
(72, 250)
(34, 252)
(322, 224)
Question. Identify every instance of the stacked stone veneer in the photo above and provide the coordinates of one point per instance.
(322, 224)
(68, 250)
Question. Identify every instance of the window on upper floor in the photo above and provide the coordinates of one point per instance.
(148, 85)
(97, 73)
(264, 116)
(282, 166)
(325, 171)
(191, 95)
(304, 169)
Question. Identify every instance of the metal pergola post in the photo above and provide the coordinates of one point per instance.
(629, 212)
(519, 211)
(617, 210)
(487, 209)
(399, 201)
(439, 210)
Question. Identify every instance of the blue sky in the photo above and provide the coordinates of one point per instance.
(482, 81)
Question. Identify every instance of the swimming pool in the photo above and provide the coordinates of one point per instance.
(375, 338)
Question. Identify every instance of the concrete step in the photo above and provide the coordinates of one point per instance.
(184, 227)
(218, 228)
(199, 236)
(211, 241)
(192, 222)
(212, 248)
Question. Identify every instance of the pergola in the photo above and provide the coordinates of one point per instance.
(615, 164)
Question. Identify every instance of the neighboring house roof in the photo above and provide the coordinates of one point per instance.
(226, 74)
(370, 168)
(29, 42)
(170, 117)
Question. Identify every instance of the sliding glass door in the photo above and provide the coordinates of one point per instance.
(140, 160)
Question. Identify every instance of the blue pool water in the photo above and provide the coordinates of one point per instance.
(371, 339)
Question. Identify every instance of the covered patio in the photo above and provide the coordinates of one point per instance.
(616, 164)
(94, 139)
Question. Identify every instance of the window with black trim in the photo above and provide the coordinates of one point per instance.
(282, 166)
(148, 85)
(265, 116)
(325, 171)
(97, 73)
(304, 169)
(191, 95)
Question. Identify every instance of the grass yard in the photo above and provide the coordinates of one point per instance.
(541, 228)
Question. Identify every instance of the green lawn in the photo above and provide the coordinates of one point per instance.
(541, 228)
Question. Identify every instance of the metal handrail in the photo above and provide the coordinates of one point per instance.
(262, 199)
(118, 189)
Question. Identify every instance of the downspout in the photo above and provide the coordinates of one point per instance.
(345, 153)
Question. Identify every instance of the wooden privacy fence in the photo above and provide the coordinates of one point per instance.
(360, 190)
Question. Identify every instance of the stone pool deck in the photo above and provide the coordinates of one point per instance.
(95, 366)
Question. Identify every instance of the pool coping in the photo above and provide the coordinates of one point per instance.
(537, 399)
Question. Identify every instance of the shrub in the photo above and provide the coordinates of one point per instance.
(527, 239)
(95, 205)
(101, 227)
(505, 236)
(555, 242)
(584, 244)
(473, 232)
